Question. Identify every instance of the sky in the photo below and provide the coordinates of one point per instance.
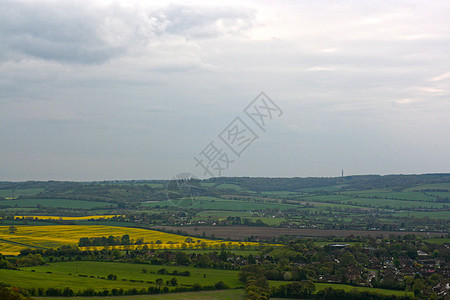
(115, 90)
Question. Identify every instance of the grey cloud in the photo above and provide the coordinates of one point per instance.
(87, 34)
(66, 32)
(66, 52)
(204, 22)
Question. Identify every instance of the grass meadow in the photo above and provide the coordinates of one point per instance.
(9, 193)
(63, 203)
(66, 274)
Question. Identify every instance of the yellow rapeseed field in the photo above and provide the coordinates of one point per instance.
(58, 235)
(69, 218)
(9, 249)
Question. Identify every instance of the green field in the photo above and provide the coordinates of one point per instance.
(440, 194)
(329, 188)
(64, 203)
(440, 214)
(328, 206)
(65, 274)
(380, 200)
(228, 186)
(221, 204)
(279, 194)
(326, 198)
(41, 279)
(413, 196)
(394, 204)
(268, 221)
(8, 193)
(224, 214)
(439, 241)
(434, 186)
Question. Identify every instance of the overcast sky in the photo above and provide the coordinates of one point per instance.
(100, 90)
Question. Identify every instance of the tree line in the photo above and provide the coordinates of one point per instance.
(109, 241)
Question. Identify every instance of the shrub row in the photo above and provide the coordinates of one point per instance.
(68, 292)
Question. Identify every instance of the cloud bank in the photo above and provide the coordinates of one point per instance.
(126, 90)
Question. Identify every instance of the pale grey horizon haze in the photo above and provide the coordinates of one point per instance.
(103, 90)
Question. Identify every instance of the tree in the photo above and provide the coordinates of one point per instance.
(68, 292)
(418, 287)
(84, 241)
(12, 229)
(125, 240)
(221, 285)
(182, 258)
(174, 281)
(203, 245)
(116, 253)
(347, 259)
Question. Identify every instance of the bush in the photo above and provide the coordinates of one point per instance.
(154, 290)
(174, 281)
(221, 286)
(53, 292)
(9, 293)
(67, 292)
(132, 291)
(88, 292)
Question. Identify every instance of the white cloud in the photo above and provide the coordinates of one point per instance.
(440, 77)
(405, 101)
(320, 69)
(430, 90)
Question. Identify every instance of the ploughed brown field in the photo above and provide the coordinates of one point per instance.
(243, 232)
